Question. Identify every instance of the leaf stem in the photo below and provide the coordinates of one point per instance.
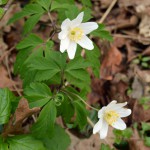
(67, 92)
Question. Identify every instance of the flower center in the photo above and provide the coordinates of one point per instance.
(111, 116)
(75, 34)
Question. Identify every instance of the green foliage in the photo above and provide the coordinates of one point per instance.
(122, 135)
(2, 2)
(5, 105)
(105, 147)
(81, 114)
(1, 12)
(38, 94)
(60, 140)
(145, 102)
(24, 142)
(44, 127)
(102, 33)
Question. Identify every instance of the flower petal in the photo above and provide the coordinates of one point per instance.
(63, 34)
(97, 126)
(119, 124)
(77, 21)
(65, 24)
(100, 112)
(88, 27)
(86, 43)
(72, 49)
(104, 130)
(123, 112)
(64, 44)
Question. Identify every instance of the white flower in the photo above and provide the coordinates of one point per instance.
(111, 115)
(74, 32)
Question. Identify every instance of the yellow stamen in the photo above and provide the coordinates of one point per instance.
(75, 34)
(111, 116)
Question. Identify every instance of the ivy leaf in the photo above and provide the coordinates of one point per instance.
(60, 140)
(38, 94)
(5, 105)
(81, 114)
(31, 40)
(45, 123)
(24, 142)
(102, 33)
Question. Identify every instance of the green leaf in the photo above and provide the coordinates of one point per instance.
(86, 3)
(58, 5)
(145, 127)
(105, 147)
(38, 94)
(33, 9)
(31, 40)
(95, 63)
(81, 114)
(2, 2)
(45, 4)
(2, 11)
(30, 23)
(87, 14)
(3, 146)
(147, 141)
(60, 140)
(102, 33)
(24, 142)
(5, 105)
(44, 127)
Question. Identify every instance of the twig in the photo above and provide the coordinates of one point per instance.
(7, 6)
(107, 11)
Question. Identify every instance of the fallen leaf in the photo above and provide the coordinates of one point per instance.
(111, 64)
(22, 112)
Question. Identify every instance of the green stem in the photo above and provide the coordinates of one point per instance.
(67, 92)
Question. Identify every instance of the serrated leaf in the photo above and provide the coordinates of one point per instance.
(24, 142)
(81, 114)
(93, 57)
(5, 105)
(44, 127)
(30, 23)
(31, 40)
(57, 5)
(102, 33)
(38, 94)
(45, 3)
(33, 9)
(60, 140)
(3, 146)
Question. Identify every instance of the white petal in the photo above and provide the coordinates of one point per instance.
(119, 124)
(123, 112)
(86, 43)
(65, 24)
(64, 44)
(72, 49)
(119, 106)
(104, 130)
(77, 21)
(97, 126)
(100, 112)
(63, 34)
(88, 27)
(112, 103)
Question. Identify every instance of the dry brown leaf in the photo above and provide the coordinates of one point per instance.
(22, 112)
(111, 63)
(136, 143)
(4, 80)
(139, 114)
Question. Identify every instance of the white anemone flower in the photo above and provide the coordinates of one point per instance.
(74, 32)
(111, 115)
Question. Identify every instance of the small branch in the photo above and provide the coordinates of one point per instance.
(107, 11)
(7, 6)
